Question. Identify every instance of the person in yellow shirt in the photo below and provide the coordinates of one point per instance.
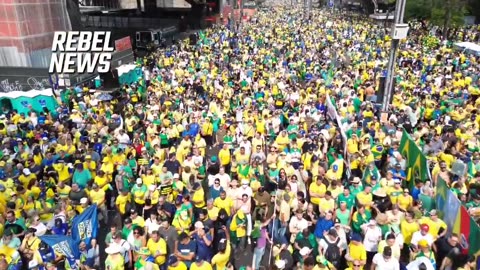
(327, 203)
(102, 180)
(395, 191)
(27, 178)
(122, 200)
(437, 227)
(175, 264)
(317, 191)
(90, 165)
(30, 243)
(157, 247)
(352, 144)
(225, 157)
(405, 200)
(356, 252)
(198, 198)
(365, 197)
(207, 131)
(224, 202)
(200, 264)
(408, 226)
(97, 195)
(220, 260)
(282, 140)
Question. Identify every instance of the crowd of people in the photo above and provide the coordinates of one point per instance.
(223, 156)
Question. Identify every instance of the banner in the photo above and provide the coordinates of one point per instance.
(416, 161)
(85, 225)
(65, 245)
(123, 44)
(332, 113)
(166, 190)
(457, 218)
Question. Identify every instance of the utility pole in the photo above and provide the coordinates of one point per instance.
(241, 14)
(398, 23)
(310, 2)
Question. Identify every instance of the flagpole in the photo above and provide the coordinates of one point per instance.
(273, 227)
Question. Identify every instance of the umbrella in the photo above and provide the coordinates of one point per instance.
(104, 97)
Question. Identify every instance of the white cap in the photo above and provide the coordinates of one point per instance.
(83, 200)
(139, 181)
(113, 248)
(176, 176)
(199, 225)
(32, 264)
(280, 264)
(26, 171)
(304, 251)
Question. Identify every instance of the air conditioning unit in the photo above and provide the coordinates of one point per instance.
(400, 31)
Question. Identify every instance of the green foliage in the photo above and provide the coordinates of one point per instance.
(430, 42)
(436, 11)
(418, 9)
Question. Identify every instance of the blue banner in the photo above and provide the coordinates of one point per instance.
(85, 225)
(65, 245)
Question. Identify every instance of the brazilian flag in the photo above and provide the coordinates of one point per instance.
(377, 151)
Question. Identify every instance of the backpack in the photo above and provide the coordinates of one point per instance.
(332, 253)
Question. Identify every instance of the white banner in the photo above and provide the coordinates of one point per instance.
(332, 113)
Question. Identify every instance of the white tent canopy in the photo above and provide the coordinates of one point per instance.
(469, 46)
(30, 94)
(125, 69)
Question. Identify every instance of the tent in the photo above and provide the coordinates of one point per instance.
(26, 101)
(469, 47)
(128, 74)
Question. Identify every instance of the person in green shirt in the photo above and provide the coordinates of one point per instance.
(475, 202)
(127, 228)
(228, 139)
(292, 130)
(343, 213)
(360, 217)
(346, 197)
(356, 187)
(163, 139)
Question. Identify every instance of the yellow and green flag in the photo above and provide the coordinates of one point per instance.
(417, 167)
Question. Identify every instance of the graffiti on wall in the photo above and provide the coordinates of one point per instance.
(6, 86)
(38, 84)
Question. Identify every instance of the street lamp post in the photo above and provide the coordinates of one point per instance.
(398, 21)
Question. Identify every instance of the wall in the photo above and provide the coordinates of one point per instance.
(26, 30)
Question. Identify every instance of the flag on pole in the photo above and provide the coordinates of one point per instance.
(65, 245)
(330, 75)
(416, 160)
(85, 226)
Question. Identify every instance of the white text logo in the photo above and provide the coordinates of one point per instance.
(81, 52)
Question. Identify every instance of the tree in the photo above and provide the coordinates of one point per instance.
(446, 13)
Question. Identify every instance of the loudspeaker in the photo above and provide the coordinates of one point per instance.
(193, 39)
